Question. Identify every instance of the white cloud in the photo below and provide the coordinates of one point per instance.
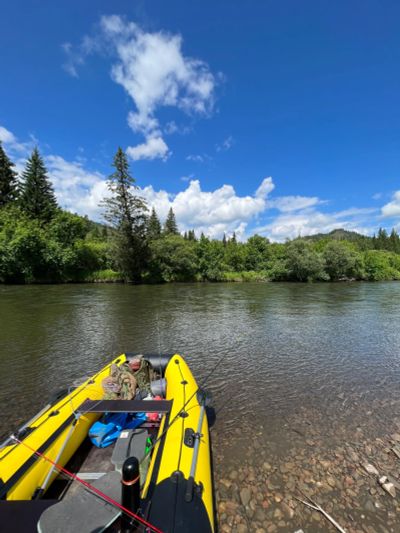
(310, 221)
(6, 136)
(153, 148)
(211, 212)
(392, 209)
(77, 189)
(225, 145)
(187, 178)
(11, 142)
(267, 186)
(196, 158)
(172, 127)
(287, 204)
(154, 72)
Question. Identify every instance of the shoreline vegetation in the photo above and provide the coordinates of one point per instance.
(42, 243)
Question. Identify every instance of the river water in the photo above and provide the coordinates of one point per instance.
(307, 373)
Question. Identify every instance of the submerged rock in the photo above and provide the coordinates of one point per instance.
(371, 469)
(245, 496)
(387, 486)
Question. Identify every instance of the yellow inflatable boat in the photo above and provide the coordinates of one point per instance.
(126, 450)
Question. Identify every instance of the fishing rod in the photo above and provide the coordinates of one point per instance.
(182, 409)
(90, 487)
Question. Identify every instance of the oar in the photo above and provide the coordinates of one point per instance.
(197, 436)
(41, 490)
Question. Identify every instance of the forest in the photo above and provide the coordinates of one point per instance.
(42, 243)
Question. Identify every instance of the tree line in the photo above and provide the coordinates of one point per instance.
(40, 242)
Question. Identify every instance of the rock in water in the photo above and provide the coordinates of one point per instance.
(387, 486)
(245, 496)
(371, 469)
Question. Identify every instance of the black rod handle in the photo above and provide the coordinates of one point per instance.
(130, 497)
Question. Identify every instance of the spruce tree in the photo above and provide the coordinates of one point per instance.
(126, 212)
(8, 179)
(37, 195)
(153, 226)
(170, 226)
(394, 240)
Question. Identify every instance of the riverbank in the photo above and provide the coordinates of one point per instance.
(69, 248)
(111, 276)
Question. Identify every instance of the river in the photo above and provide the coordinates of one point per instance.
(309, 375)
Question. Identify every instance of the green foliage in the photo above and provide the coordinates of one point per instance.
(341, 262)
(257, 253)
(8, 179)
(66, 227)
(126, 212)
(303, 263)
(172, 259)
(247, 275)
(31, 251)
(381, 265)
(103, 276)
(37, 196)
(41, 243)
(210, 256)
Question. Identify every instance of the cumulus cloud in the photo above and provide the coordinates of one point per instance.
(392, 209)
(77, 189)
(310, 221)
(214, 212)
(210, 212)
(154, 72)
(153, 148)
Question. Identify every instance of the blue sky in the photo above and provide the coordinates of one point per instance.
(275, 117)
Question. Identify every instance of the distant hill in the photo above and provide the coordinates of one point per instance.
(339, 235)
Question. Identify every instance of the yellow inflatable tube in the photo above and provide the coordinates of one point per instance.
(22, 473)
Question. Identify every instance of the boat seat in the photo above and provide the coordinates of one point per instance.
(125, 406)
(84, 511)
(130, 443)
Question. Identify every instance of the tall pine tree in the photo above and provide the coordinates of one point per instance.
(153, 226)
(126, 212)
(170, 226)
(37, 195)
(8, 179)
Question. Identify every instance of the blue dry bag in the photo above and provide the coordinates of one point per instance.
(106, 431)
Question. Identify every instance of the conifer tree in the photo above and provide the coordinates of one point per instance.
(191, 235)
(126, 212)
(37, 195)
(394, 240)
(153, 225)
(8, 179)
(170, 226)
(224, 239)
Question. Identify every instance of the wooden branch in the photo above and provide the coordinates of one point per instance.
(318, 508)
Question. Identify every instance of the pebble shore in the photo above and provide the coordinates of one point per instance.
(354, 477)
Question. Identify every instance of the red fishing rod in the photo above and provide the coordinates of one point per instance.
(90, 487)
